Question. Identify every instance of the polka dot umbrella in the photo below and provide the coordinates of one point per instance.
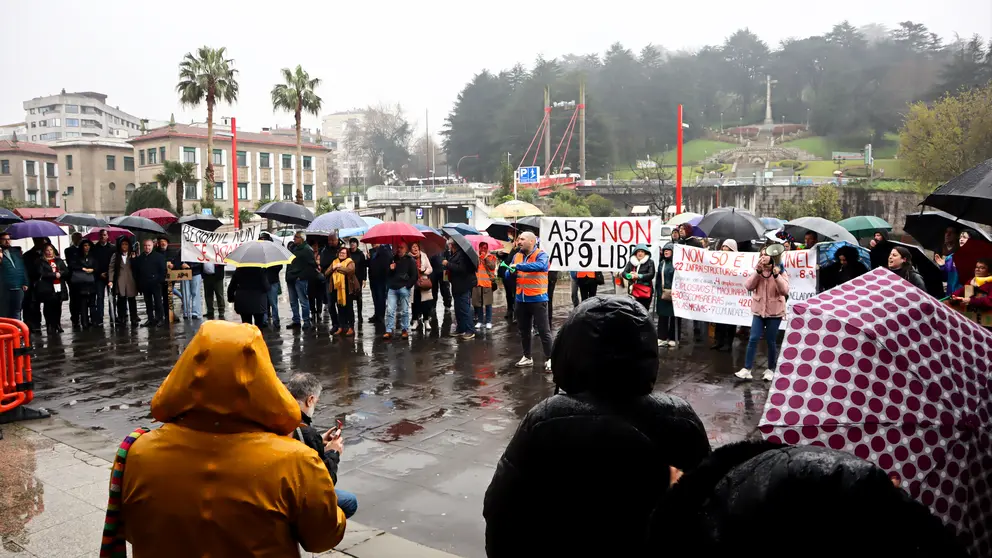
(877, 368)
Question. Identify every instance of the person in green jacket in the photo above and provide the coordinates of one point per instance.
(13, 279)
(669, 326)
(299, 273)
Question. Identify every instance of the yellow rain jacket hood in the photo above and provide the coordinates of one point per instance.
(221, 477)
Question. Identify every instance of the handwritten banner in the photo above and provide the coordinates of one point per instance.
(598, 243)
(709, 286)
(213, 247)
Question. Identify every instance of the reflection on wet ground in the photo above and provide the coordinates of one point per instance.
(425, 419)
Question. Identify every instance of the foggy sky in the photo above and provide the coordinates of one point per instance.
(419, 54)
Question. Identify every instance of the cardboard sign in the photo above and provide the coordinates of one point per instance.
(213, 247)
(598, 243)
(180, 275)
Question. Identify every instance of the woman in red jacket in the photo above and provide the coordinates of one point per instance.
(769, 285)
(981, 286)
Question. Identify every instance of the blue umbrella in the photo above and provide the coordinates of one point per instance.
(335, 220)
(33, 228)
(826, 253)
(772, 223)
(359, 231)
(462, 228)
(696, 231)
(7, 217)
(371, 221)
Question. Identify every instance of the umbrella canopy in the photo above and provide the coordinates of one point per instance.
(932, 276)
(494, 244)
(826, 253)
(202, 222)
(500, 229)
(515, 209)
(928, 228)
(461, 227)
(967, 196)
(162, 217)
(359, 231)
(532, 224)
(864, 226)
(113, 233)
(824, 229)
(772, 223)
(463, 243)
(335, 220)
(8, 217)
(393, 232)
(33, 228)
(730, 222)
(682, 218)
(137, 224)
(81, 220)
(878, 369)
(286, 212)
(259, 253)
(433, 242)
(968, 255)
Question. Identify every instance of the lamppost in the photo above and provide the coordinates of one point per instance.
(838, 161)
(476, 156)
(721, 122)
(740, 131)
(807, 119)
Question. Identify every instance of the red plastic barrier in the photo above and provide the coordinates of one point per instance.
(16, 386)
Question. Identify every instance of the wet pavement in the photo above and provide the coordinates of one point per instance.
(426, 419)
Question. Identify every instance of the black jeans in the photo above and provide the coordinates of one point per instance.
(83, 303)
(378, 288)
(32, 309)
(510, 290)
(74, 304)
(252, 318)
(317, 294)
(446, 293)
(127, 306)
(534, 314)
(53, 312)
(213, 290)
(98, 302)
(669, 328)
(154, 306)
(345, 313)
(588, 289)
(358, 303)
(551, 299)
(724, 334)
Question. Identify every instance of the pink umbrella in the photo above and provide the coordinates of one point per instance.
(392, 233)
(160, 216)
(113, 232)
(882, 370)
(477, 239)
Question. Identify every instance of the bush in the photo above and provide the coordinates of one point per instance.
(148, 196)
(790, 164)
(713, 167)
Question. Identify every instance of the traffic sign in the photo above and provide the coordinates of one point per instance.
(468, 213)
(420, 213)
(529, 175)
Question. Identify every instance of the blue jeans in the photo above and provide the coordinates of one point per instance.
(192, 291)
(463, 312)
(299, 299)
(484, 314)
(15, 300)
(347, 501)
(272, 316)
(401, 298)
(768, 326)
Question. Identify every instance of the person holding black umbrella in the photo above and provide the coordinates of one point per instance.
(462, 275)
(249, 292)
(123, 283)
(152, 269)
(71, 253)
(298, 275)
(83, 279)
(445, 278)
(102, 251)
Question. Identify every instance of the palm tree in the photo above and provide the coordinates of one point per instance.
(297, 95)
(207, 77)
(181, 174)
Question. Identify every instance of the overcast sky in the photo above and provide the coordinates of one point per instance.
(419, 54)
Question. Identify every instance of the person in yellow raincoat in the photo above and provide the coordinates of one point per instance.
(222, 477)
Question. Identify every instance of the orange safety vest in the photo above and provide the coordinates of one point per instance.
(585, 275)
(482, 273)
(530, 283)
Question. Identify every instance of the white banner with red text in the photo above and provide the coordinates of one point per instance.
(213, 247)
(598, 243)
(709, 285)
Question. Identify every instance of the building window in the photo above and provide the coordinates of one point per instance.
(72, 134)
(42, 123)
(266, 191)
(242, 190)
(70, 190)
(53, 198)
(72, 122)
(287, 161)
(190, 191)
(8, 194)
(242, 159)
(141, 157)
(307, 162)
(5, 166)
(189, 155)
(68, 162)
(32, 111)
(128, 191)
(161, 154)
(51, 136)
(74, 109)
(151, 156)
(263, 161)
(49, 169)
(218, 157)
(218, 190)
(34, 138)
(287, 192)
(308, 192)
(111, 162)
(34, 124)
(33, 196)
(29, 168)
(129, 163)
(55, 122)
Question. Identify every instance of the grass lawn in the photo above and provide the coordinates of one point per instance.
(823, 147)
(697, 150)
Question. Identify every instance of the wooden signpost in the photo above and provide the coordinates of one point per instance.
(175, 275)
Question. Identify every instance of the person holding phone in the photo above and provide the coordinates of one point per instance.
(768, 285)
(306, 389)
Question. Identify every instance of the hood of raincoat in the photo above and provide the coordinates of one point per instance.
(668, 246)
(608, 346)
(730, 242)
(715, 509)
(226, 371)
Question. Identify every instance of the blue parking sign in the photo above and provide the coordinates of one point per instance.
(420, 213)
(529, 175)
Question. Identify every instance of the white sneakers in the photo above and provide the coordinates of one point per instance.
(547, 365)
(525, 361)
(745, 374)
(478, 325)
(662, 343)
(489, 325)
(673, 343)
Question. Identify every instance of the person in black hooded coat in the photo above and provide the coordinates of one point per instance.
(606, 432)
(805, 501)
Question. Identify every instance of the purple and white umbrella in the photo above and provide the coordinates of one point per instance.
(33, 228)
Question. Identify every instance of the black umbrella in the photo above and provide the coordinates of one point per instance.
(286, 212)
(966, 196)
(464, 244)
(500, 229)
(81, 220)
(731, 222)
(202, 222)
(932, 277)
(532, 224)
(928, 228)
(137, 224)
(821, 227)
(8, 217)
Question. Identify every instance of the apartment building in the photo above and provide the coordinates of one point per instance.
(266, 165)
(334, 129)
(97, 174)
(29, 173)
(76, 115)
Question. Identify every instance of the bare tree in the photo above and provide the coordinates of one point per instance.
(382, 140)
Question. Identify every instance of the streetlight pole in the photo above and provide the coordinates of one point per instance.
(234, 170)
(721, 122)
(476, 156)
(678, 168)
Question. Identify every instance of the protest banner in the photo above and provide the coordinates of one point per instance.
(213, 247)
(709, 286)
(598, 243)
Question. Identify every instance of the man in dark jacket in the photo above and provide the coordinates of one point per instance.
(271, 318)
(213, 288)
(151, 268)
(102, 251)
(71, 255)
(299, 273)
(306, 389)
(606, 425)
(15, 278)
(378, 266)
(462, 276)
(32, 306)
(401, 278)
(172, 261)
(510, 284)
(361, 273)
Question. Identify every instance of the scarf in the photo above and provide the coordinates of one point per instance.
(640, 262)
(980, 281)
(55, 269)
(341, 282)
(113, 544)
